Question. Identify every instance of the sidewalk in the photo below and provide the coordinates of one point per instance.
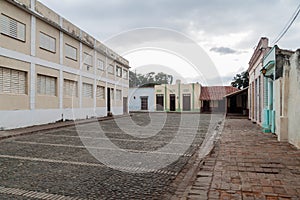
(248, 164)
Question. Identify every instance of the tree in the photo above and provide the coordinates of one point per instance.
(133, 79)
(162, 78)
(149, 79)
(241, 80)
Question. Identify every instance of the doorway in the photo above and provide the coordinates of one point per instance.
(206, 106)
(108, 101)
(186, 102)
(159, 102)
(172, 102)
(221, 106)
(125, 105)
(233, 104)
(144, 103)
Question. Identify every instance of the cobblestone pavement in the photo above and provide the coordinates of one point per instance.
(248, 164)
(55, 164)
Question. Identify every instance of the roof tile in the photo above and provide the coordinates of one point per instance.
(216, 92)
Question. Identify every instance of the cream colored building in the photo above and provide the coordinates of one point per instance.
(290, 110)
(256, 82)
(51, 70)
(178, 97)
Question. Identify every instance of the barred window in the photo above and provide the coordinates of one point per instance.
(70, 52)
(46, 85)
(88, 61)
(12, 81)
(70, 88)
(100, 92)
(100, 64)
(12, 28)
(119, 94)
(87, 90)
(47, 42)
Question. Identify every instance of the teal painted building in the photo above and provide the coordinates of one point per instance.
(274, 63)
(269, 111)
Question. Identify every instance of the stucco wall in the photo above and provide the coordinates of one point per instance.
(23, 17)
(294, 99)
(193, 89)
(135, 95)
(277, 103)
(32, 108)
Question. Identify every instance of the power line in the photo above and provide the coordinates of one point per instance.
(288, 25)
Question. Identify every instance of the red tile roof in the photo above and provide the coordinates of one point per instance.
(216, 92)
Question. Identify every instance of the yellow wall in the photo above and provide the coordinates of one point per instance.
(74, 43)
(21, 16)
(45, 101)
(71, 102)
(15, 101)
(51, 31)
(166, 90)
(86, 101)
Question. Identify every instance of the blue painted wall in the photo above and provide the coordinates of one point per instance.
(135, 95)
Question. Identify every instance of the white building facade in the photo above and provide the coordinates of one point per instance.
(141, 99)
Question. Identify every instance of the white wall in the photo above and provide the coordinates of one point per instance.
(294, 100)
(10, 119)
(135, 95)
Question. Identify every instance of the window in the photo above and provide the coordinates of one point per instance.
(110, 69)
(12, 28)
(87, 60)
(112, 93)
(47, 42)
(71, 52)
(100, 93)
(70, 88)
(12, 81)
(119, 94)
(87, 90)
(100, 64)
(125, 74)
(119, 71)
(46, 85)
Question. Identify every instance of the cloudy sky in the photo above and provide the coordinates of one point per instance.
(227, 30)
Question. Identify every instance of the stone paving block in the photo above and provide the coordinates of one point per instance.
(205, 174)
(253, 164)
(271, 197)
(248, 196)
(267, 189)
(213, 194)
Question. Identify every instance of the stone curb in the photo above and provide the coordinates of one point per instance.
(184, 190)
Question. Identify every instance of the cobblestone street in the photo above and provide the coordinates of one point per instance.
(55, 164)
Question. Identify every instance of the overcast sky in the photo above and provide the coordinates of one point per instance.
(227, 30)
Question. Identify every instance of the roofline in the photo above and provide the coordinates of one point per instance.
(41, 17)
(236, 92)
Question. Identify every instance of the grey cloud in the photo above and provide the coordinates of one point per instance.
(224, 50)
(216, 18)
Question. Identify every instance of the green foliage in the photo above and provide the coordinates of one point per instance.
(241, 80)
(149, 79)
